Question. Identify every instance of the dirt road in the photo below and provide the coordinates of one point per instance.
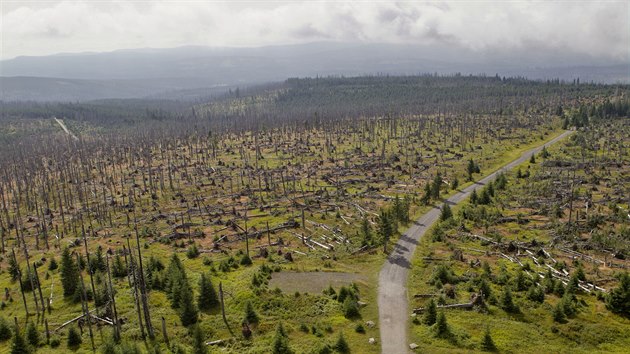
(392, 290)
(65, 129)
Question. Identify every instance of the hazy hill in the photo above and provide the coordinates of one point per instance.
(151, 72)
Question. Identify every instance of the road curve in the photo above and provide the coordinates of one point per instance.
(393, 309)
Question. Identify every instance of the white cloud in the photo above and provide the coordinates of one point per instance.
(599, 29)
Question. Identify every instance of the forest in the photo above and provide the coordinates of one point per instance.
(256, 221)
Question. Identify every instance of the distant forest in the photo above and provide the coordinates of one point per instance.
(332, 97)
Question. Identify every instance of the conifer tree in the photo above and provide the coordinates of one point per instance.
(74, 338)
(341, 346)
(441, 326)
(69, 274)
(188, 312)
(118, 269)
(446, 212)
(485, 288)
(176, 281)
(207, 299)
(426, 196)
(430, 313)
(487, 344)
(97, 262)
(32, 335)
(251, 317)
(350, 307)
(474, 198)
(281, 342)
(366, 232)
(436, 186)
(558, 314)
(19, 345)
(385, 228)
(199, 344)
(618, 300)
(5, 330)
(14, 269)
(507, 303)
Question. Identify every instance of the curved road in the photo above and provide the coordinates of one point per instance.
(392, 291)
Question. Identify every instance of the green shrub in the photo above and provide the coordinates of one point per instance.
(350, 308)
(193, 251)
(5, 330)
(341, 345)
(32, 334)
(250, 314)
(74, 338)
(440, 327)
(618, 300)
(487, 344)
(430, 314)
(55, 342)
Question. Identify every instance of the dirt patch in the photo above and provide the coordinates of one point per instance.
(312, 282)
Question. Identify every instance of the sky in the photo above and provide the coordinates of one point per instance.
(600, 29)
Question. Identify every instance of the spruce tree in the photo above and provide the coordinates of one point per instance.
(341, 346)
(474, 198)
(485, 289)
(251, 317)
(507, 303)
(520, 283)
(446, 212)
(454, 183)
(14, 269)
(441, 326)
(199, 344)
(69, 274)
(74, 338)
(618, 300)
(366, 232)
(281, 342)
(97, 262)
(5, 330)
(208, 298)
(350, 308)
(118, 269)
(188, 312)
(436, 186)
(430, 313)
(558, 314)
(487, 344)
(176, 281)
(426, 196)
(32, 335)
(19, 345)
(53, 264)
(385, 228)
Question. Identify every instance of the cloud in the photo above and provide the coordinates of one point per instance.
(597, 29)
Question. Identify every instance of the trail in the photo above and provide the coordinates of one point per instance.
(65, 129)
(393, 309)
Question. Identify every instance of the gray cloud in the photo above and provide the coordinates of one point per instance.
(598, 29)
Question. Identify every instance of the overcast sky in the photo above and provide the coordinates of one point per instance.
(600, 29)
